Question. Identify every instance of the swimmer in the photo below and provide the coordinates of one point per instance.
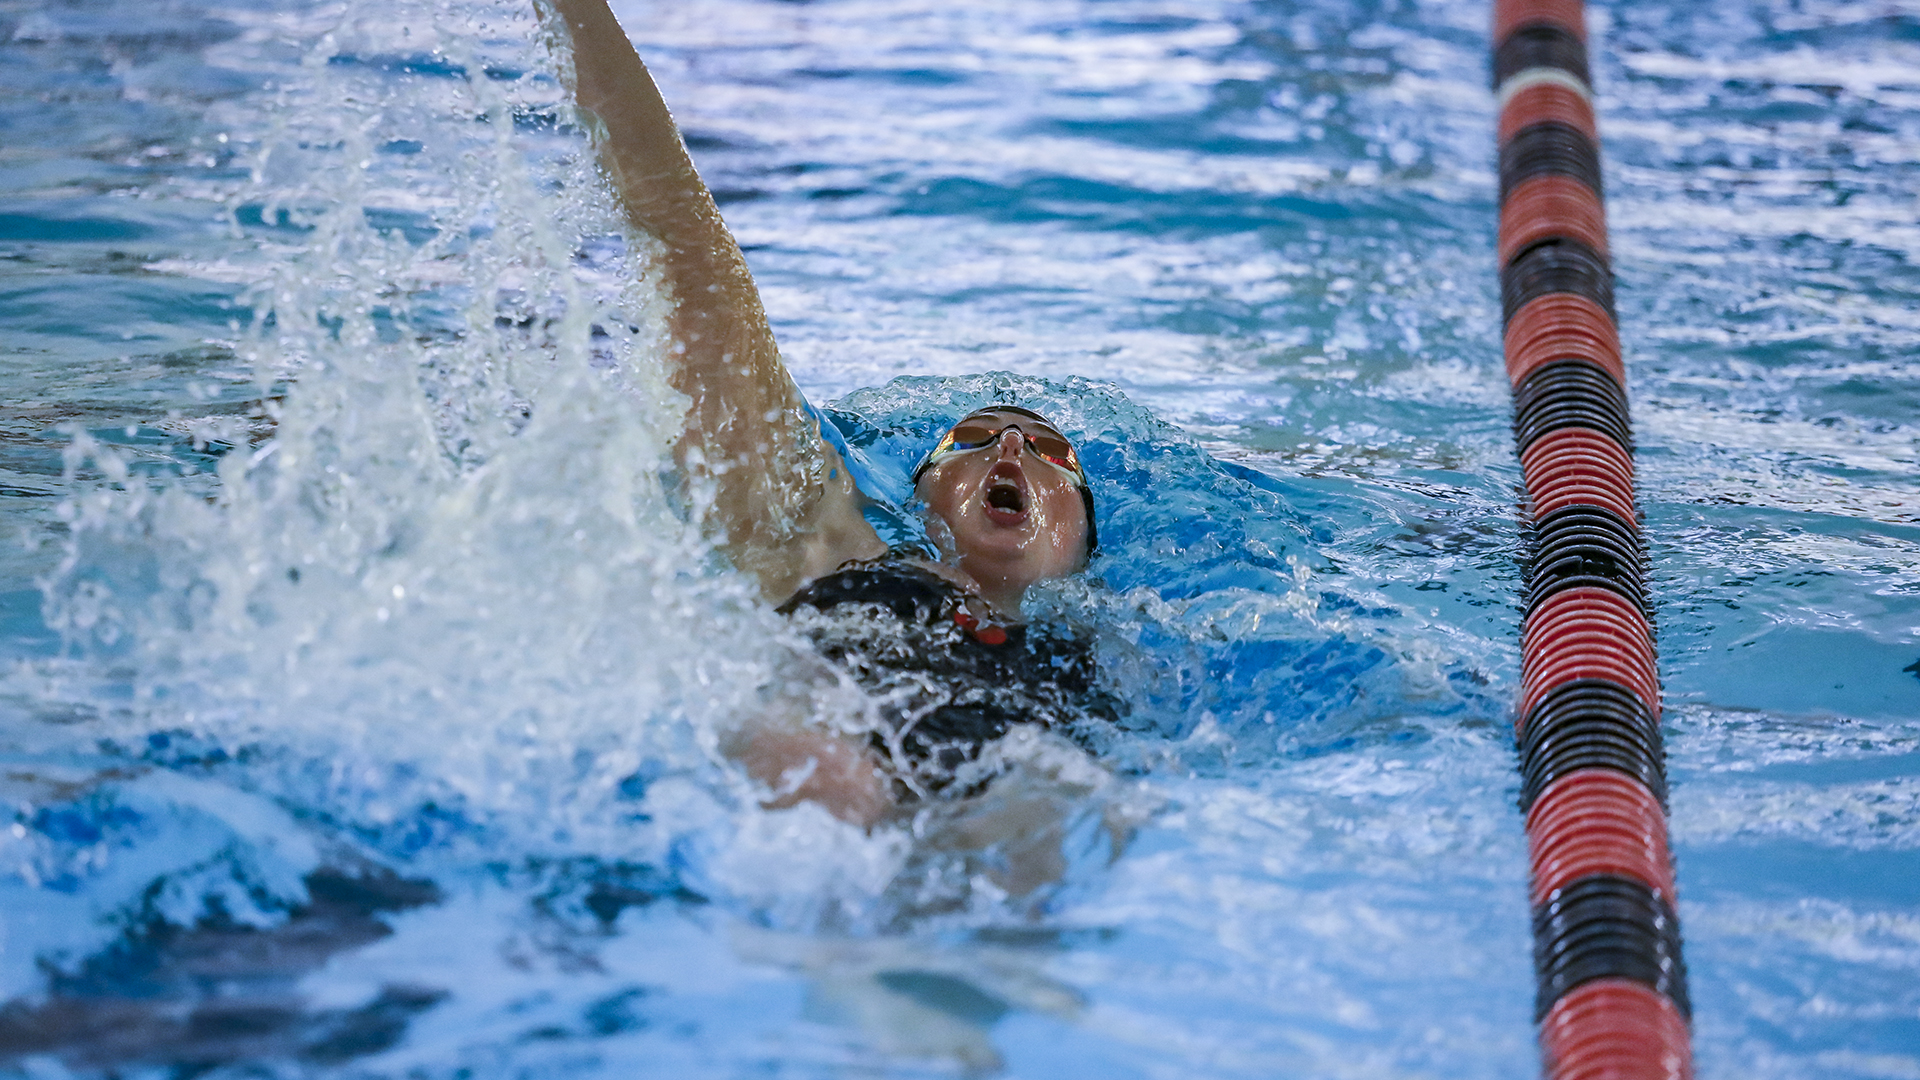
(943, 640)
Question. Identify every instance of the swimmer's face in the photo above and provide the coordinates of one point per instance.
(1015, 518)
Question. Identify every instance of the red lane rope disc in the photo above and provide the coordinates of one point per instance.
(1564, 613)
(1575, 462)
(1598, 821)
(1558, 487)
(1618, 638)
(1577, 452)
(1589, 602)
(1571, 662)
(1577, 459)
(1614, 638)
(1580, 460)
(1602, 841)
(1550, 672)
(1584, 441)
(1615, 1029)
(1541, 102)
(1595, 640)
(1562, 326)
(1621, 627)
(1547, 206)
(1552, 480)
(1575, 465)
(1636, 679)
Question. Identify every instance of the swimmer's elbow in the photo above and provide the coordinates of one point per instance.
(797, 764)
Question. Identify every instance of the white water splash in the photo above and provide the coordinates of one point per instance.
(456, 596)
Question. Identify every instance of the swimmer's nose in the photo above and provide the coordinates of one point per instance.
(1011, 443)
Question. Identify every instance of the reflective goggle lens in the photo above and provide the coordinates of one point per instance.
(981, 430)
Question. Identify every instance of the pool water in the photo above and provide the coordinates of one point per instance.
(365, 669)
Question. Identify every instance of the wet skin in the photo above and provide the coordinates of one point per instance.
(1015, 518)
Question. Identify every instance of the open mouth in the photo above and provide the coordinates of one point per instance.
(1006, 501)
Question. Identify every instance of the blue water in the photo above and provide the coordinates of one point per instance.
(363, 673)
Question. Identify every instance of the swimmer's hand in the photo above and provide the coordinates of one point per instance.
(806, 764)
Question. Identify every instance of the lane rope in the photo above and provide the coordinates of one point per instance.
(1612, 996)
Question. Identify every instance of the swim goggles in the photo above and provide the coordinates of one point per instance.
(985, 427)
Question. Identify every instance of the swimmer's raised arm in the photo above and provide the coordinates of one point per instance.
(786, 504)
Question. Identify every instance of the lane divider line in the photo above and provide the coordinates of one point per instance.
(1612, 1000)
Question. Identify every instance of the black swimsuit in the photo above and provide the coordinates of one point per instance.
(949, 682)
